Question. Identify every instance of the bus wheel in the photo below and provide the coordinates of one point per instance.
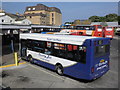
(59, 69)
(30, 59)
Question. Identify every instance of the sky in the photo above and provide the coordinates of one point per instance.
(70, 10)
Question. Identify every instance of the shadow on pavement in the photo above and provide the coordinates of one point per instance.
(8, 55)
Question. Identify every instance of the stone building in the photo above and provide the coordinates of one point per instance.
(43, 15)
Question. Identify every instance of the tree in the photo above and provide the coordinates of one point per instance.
(86, 22)
(94, 18)
(77, 22)
(102, 19)
(108, 18)
(111, 17)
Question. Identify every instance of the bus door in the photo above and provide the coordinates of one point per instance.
(100, 63)
(109, 32)
(98, 31)
(23, 49)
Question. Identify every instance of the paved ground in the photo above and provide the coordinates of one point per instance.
(7, 54)
(33, 76)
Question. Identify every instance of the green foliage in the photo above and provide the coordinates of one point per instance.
(94, 18)
(108, 18)
(77, 22)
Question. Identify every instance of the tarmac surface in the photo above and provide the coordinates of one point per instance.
(33, 76)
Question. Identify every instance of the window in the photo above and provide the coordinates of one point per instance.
(33, 8)
(80, 28)
(52, 14)
(109, 28)
(101, 50)
(29, 8)
(99, 27)
(59, 50)
(35, 45)
(76, 53)
(48, 48)
(3, 20)
(10, 20)
(52, 20)
(65, 51)
(92, 28)
(70, 52)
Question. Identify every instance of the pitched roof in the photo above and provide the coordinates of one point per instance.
(16, 17)
(12, 15)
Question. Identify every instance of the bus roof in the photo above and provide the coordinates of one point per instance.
(68, 39)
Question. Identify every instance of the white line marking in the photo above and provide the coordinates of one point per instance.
(59, 76)
(45, 71)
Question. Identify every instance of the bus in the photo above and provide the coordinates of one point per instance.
(108, 31)
(82, 57)
(84, 30)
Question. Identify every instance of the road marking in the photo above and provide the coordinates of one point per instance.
(113, 72)
(11, 65)
(38, 68)
(45, 71)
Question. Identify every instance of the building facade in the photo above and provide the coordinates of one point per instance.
(43, 15)
(9, 18)
(5, 19)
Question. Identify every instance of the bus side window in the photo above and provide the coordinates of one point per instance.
(48, 48)
(40, 46)
(71, 52)
(76, 53)
(59, 50)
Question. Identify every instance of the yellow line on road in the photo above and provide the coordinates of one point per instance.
(11, 65)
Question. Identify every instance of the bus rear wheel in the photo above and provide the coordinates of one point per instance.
(59, 69)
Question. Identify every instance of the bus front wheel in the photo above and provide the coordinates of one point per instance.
(30, 59)
(59, 69)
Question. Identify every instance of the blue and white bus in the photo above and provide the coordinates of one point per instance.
(82, 57)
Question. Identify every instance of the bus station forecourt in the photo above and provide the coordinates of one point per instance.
(35, 76)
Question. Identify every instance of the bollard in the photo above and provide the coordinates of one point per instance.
(16, 58)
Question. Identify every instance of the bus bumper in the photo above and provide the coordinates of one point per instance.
(98, 75)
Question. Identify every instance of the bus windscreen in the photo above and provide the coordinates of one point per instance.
(85, 27)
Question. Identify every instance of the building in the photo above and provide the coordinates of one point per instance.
(23, 21)
(43, 15)
(9, 18)
(5, 19)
